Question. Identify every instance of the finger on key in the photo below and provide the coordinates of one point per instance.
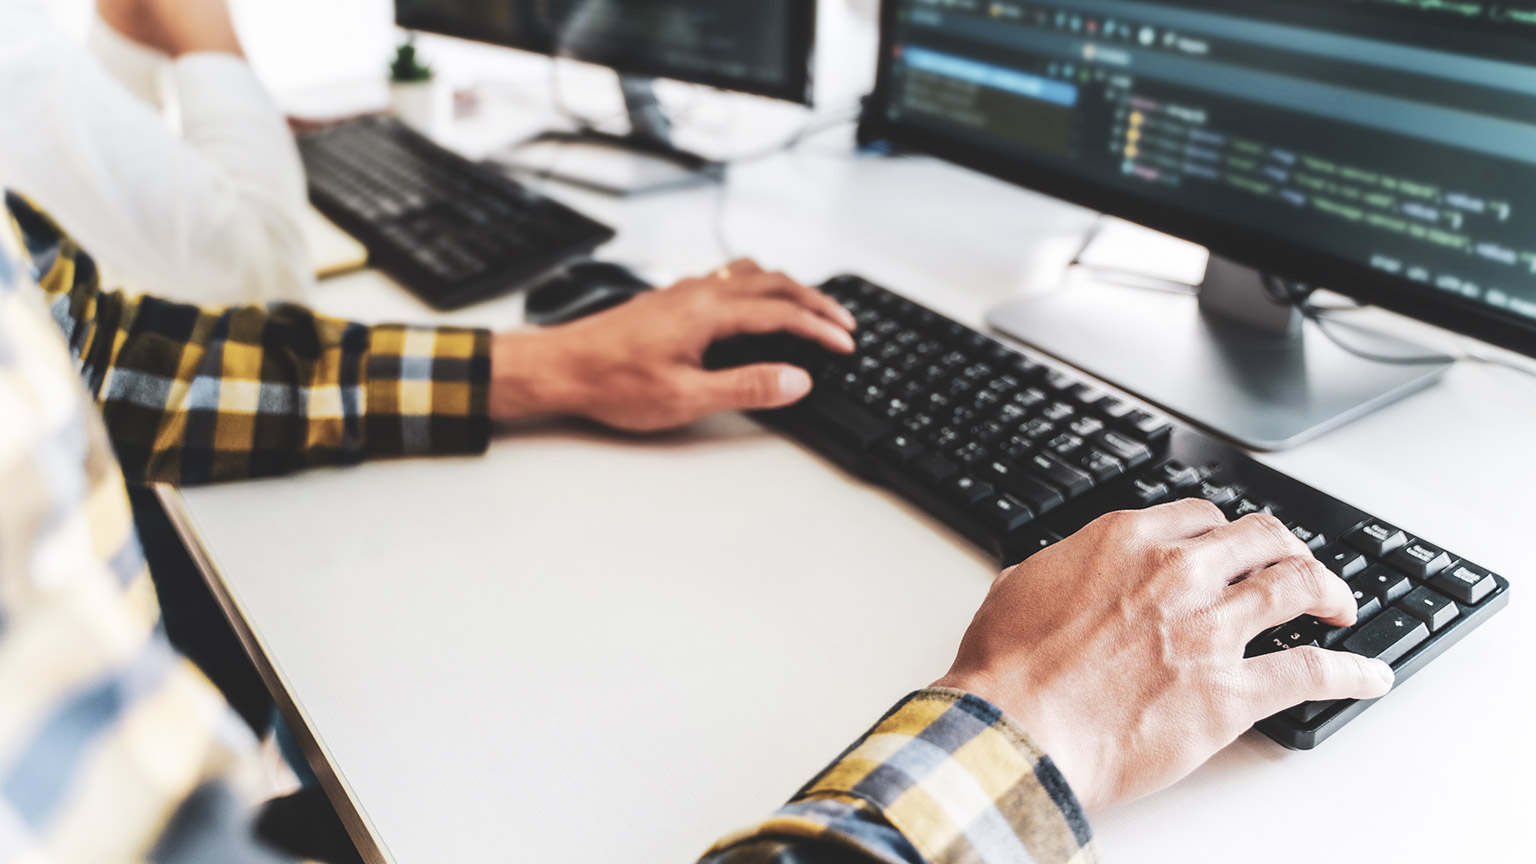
(1287, 590)
(1250, 544)
(1285, 679)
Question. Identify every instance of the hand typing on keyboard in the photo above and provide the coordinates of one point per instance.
(1121, 649)
(639, 367)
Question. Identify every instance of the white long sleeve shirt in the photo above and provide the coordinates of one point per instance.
(211, 217)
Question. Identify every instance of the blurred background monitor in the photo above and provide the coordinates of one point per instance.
(762, 47)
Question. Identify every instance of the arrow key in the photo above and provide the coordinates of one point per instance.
(1389, 637)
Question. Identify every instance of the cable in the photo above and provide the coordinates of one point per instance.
(813, 126)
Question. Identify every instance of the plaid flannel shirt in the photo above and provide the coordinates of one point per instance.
(113, 748)
(193, 396)
(944, 778)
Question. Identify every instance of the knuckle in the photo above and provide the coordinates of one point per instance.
(1319, 670)
(1203, 509)
(1273, 528)
(1120, 524)
(756, 387)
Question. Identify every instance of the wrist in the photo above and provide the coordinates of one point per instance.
(530, 377)
(1030, 713)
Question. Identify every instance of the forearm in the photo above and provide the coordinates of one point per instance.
(212, 219)
(194, 395)
(945, 778)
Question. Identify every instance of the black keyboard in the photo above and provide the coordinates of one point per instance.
(451, 231)
(1017, 455)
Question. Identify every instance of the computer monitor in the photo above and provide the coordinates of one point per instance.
(763, 47)
(1380, 149)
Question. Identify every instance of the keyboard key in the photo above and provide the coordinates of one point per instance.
(1389, 637)
(1040, 497)
(1148, 427)
(1236, 510)
(1059, 474)
(849, 422)
(1346, 563)
(1065, 444)
(934, 469)
(1059, 412)
(1466, 582)
(1177, 475)
(1298, 633)
(1030, 398)
(1332, 637)
(1385, 583)
(1420, 560)
(968, 490)
(1377, 539)
(1087, 426)
(1147, 493)
(1313, 539)
(1307, 712)
(1114, 409)
(1005, 514)
(1038, 540)
(1434, 609)
(1061, 382)
(901, 449)
(1101, 465)
(1132, 453)
(1367, 604)
(1087, 395)
(1216, 493)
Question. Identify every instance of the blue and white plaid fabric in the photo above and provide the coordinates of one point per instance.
(112, 747)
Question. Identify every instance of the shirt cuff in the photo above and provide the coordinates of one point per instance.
(428, 391)
(958, 778)
(136, 66)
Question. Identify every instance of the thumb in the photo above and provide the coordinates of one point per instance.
(1309, 674)
(755, 388)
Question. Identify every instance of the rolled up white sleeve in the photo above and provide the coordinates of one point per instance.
(139, 68)
(213, 217)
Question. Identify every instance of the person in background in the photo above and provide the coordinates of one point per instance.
(212, 215)
(1101, 670)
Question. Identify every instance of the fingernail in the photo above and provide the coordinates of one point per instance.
(794, 384)
(847, 317)
(848, 342)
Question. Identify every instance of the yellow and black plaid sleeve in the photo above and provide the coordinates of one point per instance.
(944, 778)
(194, 396)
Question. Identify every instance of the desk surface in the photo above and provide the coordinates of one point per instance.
(585, 647)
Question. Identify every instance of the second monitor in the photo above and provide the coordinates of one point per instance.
(764, 48)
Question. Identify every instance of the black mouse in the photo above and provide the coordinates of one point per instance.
(581, 290)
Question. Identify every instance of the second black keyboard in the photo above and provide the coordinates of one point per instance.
(451, 231)
(1017, 455)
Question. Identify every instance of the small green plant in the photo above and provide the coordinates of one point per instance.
(407, 68)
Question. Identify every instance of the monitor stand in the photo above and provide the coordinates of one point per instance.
(645, 160)
(1239, 362)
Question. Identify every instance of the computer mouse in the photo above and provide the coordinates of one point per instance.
(581, 290)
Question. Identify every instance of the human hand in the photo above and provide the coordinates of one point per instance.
(1120, 649)
(639, 367)
(173, 27)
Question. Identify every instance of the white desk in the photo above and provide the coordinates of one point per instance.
(590, 648)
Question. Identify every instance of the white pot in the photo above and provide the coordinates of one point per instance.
(426, 106)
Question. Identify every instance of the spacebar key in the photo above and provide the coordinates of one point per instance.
(853, 425)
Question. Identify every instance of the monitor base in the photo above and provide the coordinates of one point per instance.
(1261, 390)
(641, 162)
(622, 165)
